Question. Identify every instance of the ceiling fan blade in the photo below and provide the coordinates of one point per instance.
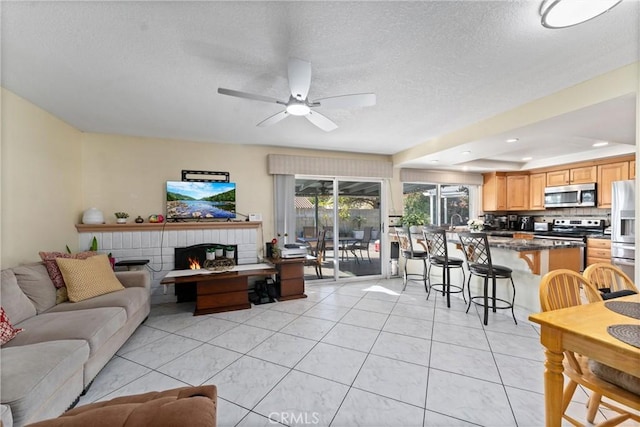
(273, 119)
(321, 121)
(251, 96)
(299, 78)
(348, 101)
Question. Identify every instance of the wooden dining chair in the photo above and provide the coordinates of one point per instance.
(565, 288)
(610, 280)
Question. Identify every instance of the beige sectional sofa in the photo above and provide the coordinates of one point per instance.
(63, 346)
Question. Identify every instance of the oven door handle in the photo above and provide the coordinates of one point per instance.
(622, 261)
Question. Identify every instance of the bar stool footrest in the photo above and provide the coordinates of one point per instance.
(507, 304)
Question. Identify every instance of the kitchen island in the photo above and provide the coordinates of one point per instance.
(530, 259)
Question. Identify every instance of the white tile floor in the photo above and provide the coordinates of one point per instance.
(362, 353)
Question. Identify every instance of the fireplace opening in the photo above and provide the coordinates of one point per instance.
(193, 257)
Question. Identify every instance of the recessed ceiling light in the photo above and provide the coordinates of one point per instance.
(434, 161)
(526, 159)
(600, 144)
(512, 140)
(466, 152)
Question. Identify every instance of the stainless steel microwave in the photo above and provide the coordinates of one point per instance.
(566, 196)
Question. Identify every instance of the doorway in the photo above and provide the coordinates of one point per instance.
(349, 214)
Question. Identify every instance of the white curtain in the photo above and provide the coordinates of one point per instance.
(285, 215)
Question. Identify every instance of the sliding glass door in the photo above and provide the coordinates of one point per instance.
(349, 214)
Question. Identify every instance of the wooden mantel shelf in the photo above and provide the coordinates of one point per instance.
(147, 226)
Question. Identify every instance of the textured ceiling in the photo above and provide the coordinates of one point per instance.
(153, 68)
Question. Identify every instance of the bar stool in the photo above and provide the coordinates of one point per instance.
(436, 242)
(476, 251)
(410, 253)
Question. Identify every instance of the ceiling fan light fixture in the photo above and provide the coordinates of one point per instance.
(298, 109)
(567, 13)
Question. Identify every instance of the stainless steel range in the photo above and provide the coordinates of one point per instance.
(577, 230)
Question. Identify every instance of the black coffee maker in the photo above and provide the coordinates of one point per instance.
(525, 223)
(513, 222)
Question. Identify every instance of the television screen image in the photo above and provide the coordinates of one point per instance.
(196, 200)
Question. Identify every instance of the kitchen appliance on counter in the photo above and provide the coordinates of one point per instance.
(623, 239)
(525, 223)
(501, 222)
(567, 196)
(577, 230)
(542, 226)
(513, 222)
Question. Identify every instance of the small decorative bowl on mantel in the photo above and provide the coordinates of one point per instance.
(121, 217)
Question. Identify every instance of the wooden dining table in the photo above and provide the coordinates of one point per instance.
(582, 329)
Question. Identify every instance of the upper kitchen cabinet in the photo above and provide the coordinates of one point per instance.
(608, 173)
(517, 192)
(584, 175)
(632, 169)
(537, 183)
(494, 192)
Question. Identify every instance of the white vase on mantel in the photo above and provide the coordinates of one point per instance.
(93, 216)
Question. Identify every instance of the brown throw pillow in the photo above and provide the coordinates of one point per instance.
(49, 259)
(88, 278)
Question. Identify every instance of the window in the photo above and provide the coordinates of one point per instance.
(439, 204)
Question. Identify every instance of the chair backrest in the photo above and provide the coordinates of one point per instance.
(436, 242)
(563, 288)
(320, 246)
(404, 239)
(607, 276)
(476, 249)
(366, 238)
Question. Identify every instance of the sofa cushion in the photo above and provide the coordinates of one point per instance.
(95, 326)
(186, 406)
(31, 374)
(49, 259)
(14, 301)
(35, 282)
(89, 277)
(131, 299)
(7, 331)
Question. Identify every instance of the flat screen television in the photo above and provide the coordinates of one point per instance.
(201, 200)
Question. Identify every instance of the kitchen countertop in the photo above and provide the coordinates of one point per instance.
(524, 245)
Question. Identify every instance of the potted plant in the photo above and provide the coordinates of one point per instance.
(358, 220)
(121, 217)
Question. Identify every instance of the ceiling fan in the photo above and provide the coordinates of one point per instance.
(298, 103)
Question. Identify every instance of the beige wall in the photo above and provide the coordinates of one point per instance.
(123, 173)
(51, 172)
(41, 181)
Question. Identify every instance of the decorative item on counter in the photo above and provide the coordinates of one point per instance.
(475, 224)
(93, 216)
(121, 217)
(156, 218)
(139, 220)
(219, 249)
(230, 252)
(219, 265)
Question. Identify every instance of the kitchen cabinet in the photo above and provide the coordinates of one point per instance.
(583, 175)
(537, 183)
(632, 169)
(556, 178)
(608, 173)
(598, 250)
(494, 192)
(517, 192)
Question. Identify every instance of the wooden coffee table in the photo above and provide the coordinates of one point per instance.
(218, 292)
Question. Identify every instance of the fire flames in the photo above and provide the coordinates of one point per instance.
(194, 264)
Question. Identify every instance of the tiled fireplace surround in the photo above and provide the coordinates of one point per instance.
(157, 246)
